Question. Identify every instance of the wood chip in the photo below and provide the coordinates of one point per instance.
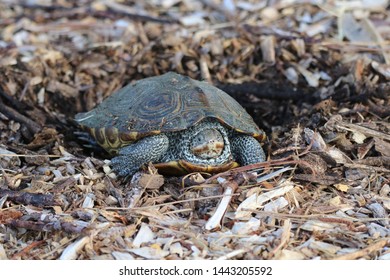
(122, 256)
(58, 87)
(150, 253)
(256, 201)
(314, 225)
(379, 212)
(286, 254)
(364, 252)
(144, 235)
(3, 254)
(327, 248)
(71, 252)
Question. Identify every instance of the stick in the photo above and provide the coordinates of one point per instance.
(16, 116)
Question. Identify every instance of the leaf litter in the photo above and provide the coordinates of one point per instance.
(313, 75)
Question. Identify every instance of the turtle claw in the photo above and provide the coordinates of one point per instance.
(133, 156)
(122, 167)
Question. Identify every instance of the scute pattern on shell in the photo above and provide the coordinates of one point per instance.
(166, 103)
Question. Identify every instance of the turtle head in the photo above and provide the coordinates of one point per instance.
(207, 143)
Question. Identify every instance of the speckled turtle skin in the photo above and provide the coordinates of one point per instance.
(154, 119)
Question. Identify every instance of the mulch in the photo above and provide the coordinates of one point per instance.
(314, 76)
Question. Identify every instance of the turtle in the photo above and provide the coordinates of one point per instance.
(179, 124)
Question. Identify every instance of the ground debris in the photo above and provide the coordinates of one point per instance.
(315, 76)
(25, 198)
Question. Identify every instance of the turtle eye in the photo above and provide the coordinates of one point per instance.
(198, 139)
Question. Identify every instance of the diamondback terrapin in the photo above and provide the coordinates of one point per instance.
(179, 124)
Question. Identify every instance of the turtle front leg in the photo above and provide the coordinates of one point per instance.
(246, 150)
(133, 156)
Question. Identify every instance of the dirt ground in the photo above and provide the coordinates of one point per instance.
(315, 76)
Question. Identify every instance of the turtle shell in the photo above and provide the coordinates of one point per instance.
(166, 103)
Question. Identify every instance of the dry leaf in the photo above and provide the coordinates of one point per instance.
(151, 181)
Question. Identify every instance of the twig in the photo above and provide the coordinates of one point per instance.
(282, 161)
(372, 168)
(287, 149)
(24, 155)
(348, 223)
(48, 226)
(36, 199)
(319, 179)
(27, 249)
(258, 166)
(16, 116)
(166, 203)
(365, 130)
(301, 218)
(375, 161)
